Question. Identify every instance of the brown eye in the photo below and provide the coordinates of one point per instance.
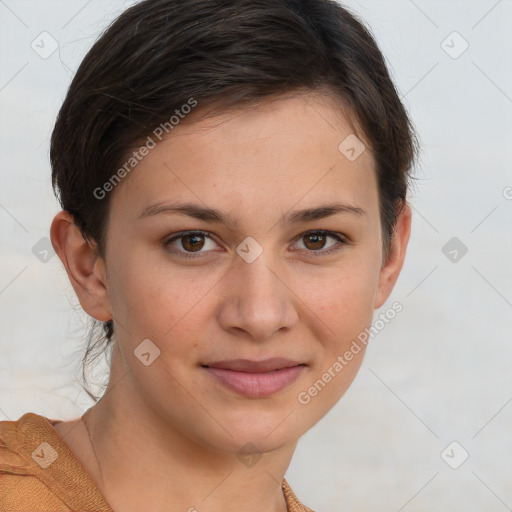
(192, 243)
(315, 242)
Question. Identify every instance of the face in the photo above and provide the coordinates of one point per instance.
(276, 252)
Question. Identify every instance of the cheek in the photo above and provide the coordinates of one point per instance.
(343, 308)
(152, 298)
(344, 301)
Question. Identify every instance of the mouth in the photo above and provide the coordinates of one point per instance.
(255, 379)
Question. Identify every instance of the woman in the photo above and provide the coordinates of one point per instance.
(233, 181)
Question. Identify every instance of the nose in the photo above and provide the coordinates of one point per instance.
(257, 300)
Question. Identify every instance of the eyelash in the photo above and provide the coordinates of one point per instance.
(342, 241)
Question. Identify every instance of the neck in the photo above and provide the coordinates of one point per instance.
(146, 463)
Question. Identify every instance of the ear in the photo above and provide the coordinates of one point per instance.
(390, 270)
(85, 269)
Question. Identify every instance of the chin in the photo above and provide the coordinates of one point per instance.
(259, 432)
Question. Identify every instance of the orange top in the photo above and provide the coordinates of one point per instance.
(39, 472)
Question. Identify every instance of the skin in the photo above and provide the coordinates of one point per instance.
(168, 433)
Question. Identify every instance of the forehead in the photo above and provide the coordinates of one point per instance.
(284, 150)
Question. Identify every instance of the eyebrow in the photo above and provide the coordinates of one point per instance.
(216, 216)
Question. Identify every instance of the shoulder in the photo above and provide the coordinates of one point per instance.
(17, 440)
(38, 470)
(22, 459)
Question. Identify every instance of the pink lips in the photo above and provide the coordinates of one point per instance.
(255, 379)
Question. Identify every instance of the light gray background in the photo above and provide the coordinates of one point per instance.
(439, 372)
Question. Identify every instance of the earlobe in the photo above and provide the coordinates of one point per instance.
(86, 270)
(391, 268)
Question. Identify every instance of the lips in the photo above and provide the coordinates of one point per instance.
(255, 379)
(246, 365)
